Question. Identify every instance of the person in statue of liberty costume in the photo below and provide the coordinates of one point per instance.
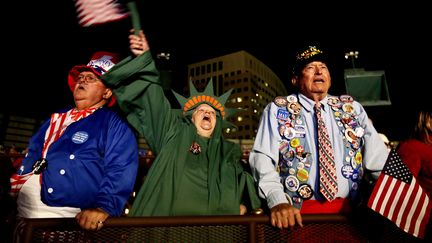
(196, 171)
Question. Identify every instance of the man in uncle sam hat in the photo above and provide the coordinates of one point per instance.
(301, 169)
(83, 161)
(196, 171)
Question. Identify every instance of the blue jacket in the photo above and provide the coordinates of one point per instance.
(92, 165)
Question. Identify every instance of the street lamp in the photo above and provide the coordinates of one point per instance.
(353, 55)
(164, 55)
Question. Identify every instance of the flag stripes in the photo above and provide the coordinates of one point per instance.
(398, 197)
(93, 12)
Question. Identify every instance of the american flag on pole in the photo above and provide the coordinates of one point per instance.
(94, 12)
(398, 197)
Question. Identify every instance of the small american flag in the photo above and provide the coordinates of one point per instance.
(398, 197)
(94, 12)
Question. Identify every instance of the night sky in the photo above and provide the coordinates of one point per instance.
(43, 40)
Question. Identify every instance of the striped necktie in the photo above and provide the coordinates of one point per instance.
(327, 167)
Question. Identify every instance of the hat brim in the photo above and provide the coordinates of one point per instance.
(73, 79)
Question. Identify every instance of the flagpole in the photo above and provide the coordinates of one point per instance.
(133, 10)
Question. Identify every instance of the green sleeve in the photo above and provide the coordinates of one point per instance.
(137, 89)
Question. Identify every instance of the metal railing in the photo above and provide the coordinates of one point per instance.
(230, 228)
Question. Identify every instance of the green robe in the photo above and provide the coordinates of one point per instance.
(179, 182)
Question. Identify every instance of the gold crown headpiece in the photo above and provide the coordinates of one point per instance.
(196, 98)
(312, 51)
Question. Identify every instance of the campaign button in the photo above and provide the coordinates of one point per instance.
(347, 171)
(294, 108)
(346, 98)
(302, 175)
(305, 191)
(355, 176)
(348, 108)
(295, 142)
(291, 171)
(292, 99)
(289, 133)
(280, 101)
(299, 149)
(292, 183)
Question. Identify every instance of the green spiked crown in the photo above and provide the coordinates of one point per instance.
(196, 98)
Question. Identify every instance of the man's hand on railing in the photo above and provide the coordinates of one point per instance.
(91, 219)
(284, 215)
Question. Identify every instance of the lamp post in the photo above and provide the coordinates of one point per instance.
(353, 55)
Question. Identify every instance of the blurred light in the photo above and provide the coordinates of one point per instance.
(164, 55)
(352, 54)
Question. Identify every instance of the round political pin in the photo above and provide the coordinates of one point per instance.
(289, 132)
(299, 149)
(300, 165)
(305, 191)
(294, 108)
(355, 176)
(280, 101)
(350, 135)
(283, 145)
(354, 186)
(359, 131)
(302, 175)
(282, 129)
(333, 101)
(291, 171)
(286, 154)
(80, 137)
(295, 142)
(347, 171)
(292, 183)
(292, 99)
(347, 158)
(348, 108)
(346, 98)
(358, 157)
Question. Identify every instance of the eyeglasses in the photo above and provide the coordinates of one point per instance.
(87, 79)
